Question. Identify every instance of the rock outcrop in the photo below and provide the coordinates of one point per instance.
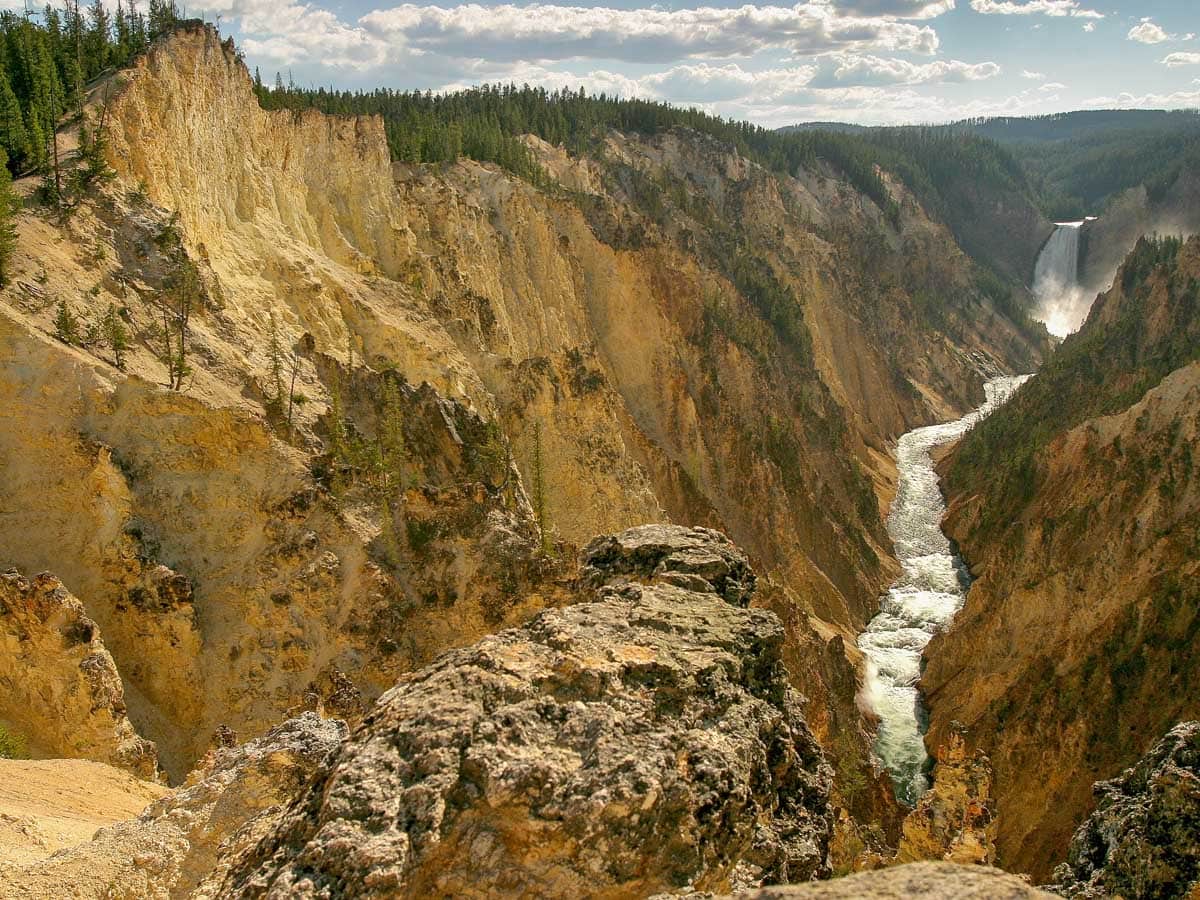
(640, 741)
(1077, 507)
(1143, 840)
(955, 819)
(59, 688)
(227, 803)
(1135, 213)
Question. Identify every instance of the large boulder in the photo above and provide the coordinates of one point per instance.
(1143, 840)
(642, 740)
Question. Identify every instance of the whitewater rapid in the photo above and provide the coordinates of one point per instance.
(923, 600)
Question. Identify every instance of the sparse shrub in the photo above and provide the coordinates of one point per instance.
(12, 745)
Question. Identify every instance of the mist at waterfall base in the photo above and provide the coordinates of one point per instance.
(1062, 303)
(923, 600)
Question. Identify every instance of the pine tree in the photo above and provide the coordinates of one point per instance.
(181, 297)
(164, 16)
(66, 325)
(13, 137)
(539, 489)
(9, 203)
(124, 48)
(393, 451)
(97, 40)
(275, 354)
(115, 335)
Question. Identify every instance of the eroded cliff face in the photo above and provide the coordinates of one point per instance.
(1142, 839)
(1078, 510)
(389, 363)
(59, 688)
(1105, 242)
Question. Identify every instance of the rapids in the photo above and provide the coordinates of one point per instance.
(922, 601)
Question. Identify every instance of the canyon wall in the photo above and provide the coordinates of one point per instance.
(412, 389)
(1077, 506)
(1104, 242)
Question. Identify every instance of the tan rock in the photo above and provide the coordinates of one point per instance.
(59, 688)
(182, 837)
(47, 805)
(915, 881)
(955, 819)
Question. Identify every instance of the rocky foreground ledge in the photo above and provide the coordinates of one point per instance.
(642, 740)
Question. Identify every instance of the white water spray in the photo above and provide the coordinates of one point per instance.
(923, 600)
(1062, 303)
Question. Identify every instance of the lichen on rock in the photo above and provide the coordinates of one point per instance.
(928, 880)
(643, 740)
(1143, 840)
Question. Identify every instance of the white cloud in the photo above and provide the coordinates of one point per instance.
(1125, 100)
(1034, 7)
(1148, 33)
(1174, 60)
(717, 84)
(1032, 76)
(291, 32)
(547, 32)
(895, 9)
(1052, 86)
(879, 71)
(1089, 27)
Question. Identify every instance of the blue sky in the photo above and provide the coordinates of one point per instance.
(868, 61)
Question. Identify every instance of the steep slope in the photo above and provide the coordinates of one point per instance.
(407, 383)
(1168, 207)
(1078, 508)
(971, 183)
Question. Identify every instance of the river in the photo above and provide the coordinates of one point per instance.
(922, 601)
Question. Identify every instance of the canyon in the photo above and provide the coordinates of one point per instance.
(495, 535)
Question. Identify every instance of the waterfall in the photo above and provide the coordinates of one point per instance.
(923, 600)
(1062, 303)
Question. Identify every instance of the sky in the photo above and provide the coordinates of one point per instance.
(863, 61)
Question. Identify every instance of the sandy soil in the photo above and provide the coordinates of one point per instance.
(49, 804)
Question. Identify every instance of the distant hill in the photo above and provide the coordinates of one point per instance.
(1077, 162)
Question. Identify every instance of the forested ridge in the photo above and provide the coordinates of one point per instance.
(956, 177)
(50, 57)
(485, 124)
